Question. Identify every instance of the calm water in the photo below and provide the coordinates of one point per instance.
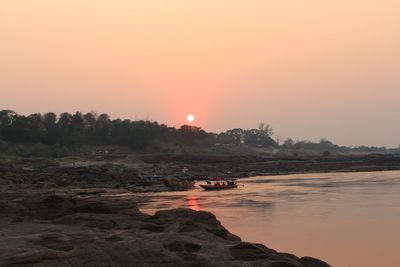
(347, 219)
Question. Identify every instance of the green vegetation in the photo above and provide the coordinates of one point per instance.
(49, 135)
(326, 147)
(56, 136)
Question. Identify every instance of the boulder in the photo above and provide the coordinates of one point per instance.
(107, 231)
(188, 220)
(106, 206)
(284, 264)
(245, 251)
(191, 247)
(45, 207)
(313, 262)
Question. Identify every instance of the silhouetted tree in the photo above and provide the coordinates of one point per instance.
(237, 135)
(102, 129)
(36, 130)
(7, 118)
(50, 122)
(70, 130)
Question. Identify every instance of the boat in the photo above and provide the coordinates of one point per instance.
(149, 180)
(179, 184)
(219, 184)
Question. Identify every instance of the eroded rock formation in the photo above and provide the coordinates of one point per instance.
(56, 230)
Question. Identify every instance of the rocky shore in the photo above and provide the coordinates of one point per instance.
(246, 165)
(46, 229)
(80, 213)
(133, 172)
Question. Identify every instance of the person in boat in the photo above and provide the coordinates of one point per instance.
(208, 182)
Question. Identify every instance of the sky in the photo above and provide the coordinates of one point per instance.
(312, 69)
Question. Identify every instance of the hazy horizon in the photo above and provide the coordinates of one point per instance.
(310, 69)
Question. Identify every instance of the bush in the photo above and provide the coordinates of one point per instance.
(58, 151)
(326, 153)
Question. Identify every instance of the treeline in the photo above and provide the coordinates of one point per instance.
(71, 130)
(326, 145)
(55, 135)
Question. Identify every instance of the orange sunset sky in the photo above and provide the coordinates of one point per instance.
(312, 69)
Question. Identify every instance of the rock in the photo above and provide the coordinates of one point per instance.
(202, 217)
(17, 220)
(174, 246)
(187, 220)
(188, 226)
(191, 247)
(284, 264)
(54, 241)
(10, 209)
(45, 207)
(30, 257)
(313, 262)
(106, 206)
(179, 246)
(65, 230)
(88, 220)
(54, 206)
(114, 238)
(50, 207)
(250, 252)
(285, 259)
(154, 228)
(288, 255)
(190, 257)
(222, 233)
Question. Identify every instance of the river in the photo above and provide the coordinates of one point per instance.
(346, 219)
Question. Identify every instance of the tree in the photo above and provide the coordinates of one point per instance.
(260, 136)
(288, 143)
(69, 130)
(266, 129)
(224, 138)
(326, 153)
(237, 135)
(50, 122)
(78, 128)
(90, 120)
(64, 129)
(102, 129)
(7, 118)
(36, 130)
(191, 135)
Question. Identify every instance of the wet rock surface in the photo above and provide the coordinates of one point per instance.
(69, 230)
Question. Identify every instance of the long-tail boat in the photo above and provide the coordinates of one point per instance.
(219, 184)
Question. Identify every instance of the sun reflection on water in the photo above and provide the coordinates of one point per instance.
(192, 203)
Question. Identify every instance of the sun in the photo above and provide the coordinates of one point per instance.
(190, 118)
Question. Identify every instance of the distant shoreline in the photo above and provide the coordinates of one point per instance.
(319, 172)
(134, 173)
(241, 166)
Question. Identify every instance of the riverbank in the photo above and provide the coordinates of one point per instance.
(248, 165)
(76, 211)
(142, 173)
(65, 230)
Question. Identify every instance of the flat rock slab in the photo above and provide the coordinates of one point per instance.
(99, 231)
